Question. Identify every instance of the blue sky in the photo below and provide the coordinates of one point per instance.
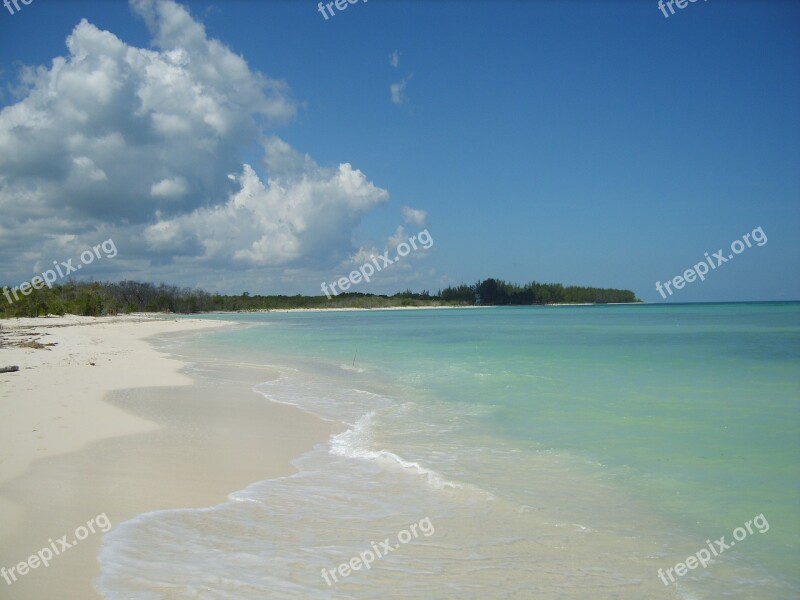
(589, 143)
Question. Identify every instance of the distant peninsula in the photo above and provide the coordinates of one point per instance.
(106, 298)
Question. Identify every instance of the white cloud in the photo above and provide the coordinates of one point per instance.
(399, 237)
(398, 91)
(303, 216)
(139, 143)
(170, 188)
(405, 271)
(85, 167)
(394, 59)
(414, 216)
(106, 124)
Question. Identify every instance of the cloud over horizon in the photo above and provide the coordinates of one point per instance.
(147, 145)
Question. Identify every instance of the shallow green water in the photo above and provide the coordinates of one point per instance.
(693, 410)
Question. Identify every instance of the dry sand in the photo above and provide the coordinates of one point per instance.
(101, 422)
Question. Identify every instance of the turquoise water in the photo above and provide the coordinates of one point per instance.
(643, 431)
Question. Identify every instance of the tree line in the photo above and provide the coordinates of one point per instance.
(106, 298)
(496, 292)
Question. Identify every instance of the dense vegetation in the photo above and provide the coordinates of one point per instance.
(497, 292)
(94, 299)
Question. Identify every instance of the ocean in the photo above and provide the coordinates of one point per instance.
(549, 452)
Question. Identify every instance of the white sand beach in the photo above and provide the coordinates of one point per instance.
(68, 455)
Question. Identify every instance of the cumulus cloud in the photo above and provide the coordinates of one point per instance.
(414, 216)
(99, 131)
(170, 188)
(147, 144)
(394, 59)
(303, 214)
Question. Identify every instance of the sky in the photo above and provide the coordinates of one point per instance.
(262, 146)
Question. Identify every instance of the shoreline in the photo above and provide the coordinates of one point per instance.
(385, 308)
(102, 422)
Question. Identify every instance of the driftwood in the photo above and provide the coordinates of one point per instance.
(9, 369)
